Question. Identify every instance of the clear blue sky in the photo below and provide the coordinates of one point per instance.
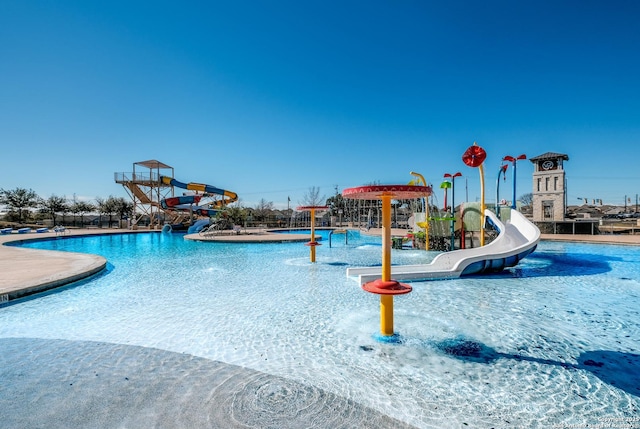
(270, 98)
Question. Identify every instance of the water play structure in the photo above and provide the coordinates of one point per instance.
(381, 282)
(312, 242)
(189, 202)
(516, 238)
(151, 188)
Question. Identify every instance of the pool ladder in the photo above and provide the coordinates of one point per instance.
(340, 231)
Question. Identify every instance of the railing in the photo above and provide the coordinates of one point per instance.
(340, 231)
(136, 177)
(60, 230)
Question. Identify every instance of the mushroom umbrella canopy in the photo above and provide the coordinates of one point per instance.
(474, 156)
(445, 185)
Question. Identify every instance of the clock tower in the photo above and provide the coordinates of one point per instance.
(549, 187)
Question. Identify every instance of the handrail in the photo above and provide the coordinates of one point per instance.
(137, 177)
(339, 231)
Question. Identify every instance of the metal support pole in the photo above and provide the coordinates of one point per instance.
(482, 206)
(502, 171)
(514, 161)
(386, 301)
(453, 206)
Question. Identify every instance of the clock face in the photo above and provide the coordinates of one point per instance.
(548, 165)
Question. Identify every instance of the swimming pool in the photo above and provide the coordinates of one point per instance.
(552, 342)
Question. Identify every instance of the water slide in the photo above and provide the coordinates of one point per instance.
(185, 202)
(180, 203)
(517, 238)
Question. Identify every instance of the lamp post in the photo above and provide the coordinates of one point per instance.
(453, 204)
(514, 161)
(503, 171)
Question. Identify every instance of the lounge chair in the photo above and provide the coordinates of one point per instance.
(24, 230)
(42, 230)
(6, 230)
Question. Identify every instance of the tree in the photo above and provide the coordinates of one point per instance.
(19, 200)
(222, 219)
(54, 205)
(338, 206)
(336, 203)
(80, 208)
(312, 197)
(123, 208)
(526, 199)
(116, 206)
(237, 214)
(106, 207)
(263, 209)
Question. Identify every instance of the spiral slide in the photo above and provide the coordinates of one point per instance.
(184, 202)
(516, 238)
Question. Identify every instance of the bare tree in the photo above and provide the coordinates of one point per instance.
(313, 198)
(263, 209)
(526, 199)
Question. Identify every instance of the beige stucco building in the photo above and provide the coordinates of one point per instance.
(549, 187)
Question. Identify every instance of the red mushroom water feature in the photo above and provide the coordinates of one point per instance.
(385, 286)
(474, 157)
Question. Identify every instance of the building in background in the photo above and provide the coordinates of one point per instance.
(549, 187)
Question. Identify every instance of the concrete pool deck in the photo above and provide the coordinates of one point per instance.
(27, 271)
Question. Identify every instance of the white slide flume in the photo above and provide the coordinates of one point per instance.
(516, 238)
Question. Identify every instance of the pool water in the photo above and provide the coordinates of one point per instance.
(553, 342)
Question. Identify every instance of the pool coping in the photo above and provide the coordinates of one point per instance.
(25, 272)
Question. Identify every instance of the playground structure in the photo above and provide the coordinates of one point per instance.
(151, 187)
(516, 239)
(437, 237)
